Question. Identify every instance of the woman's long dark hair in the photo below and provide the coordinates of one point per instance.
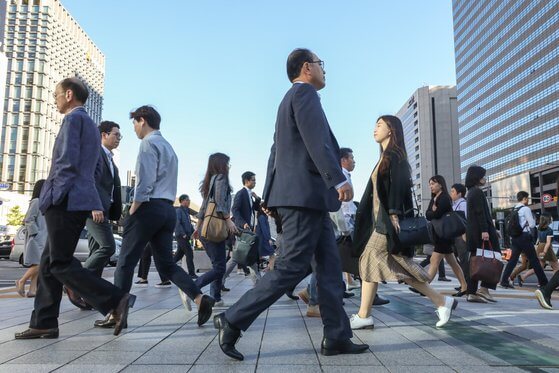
(439, 180)
(474, 175)
(396, 149)
(37, 188)
(218, 163)
(545, 221)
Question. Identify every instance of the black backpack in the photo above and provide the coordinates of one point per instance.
(513, 223)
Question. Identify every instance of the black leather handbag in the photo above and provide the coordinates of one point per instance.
(449, 226)
(414, 230)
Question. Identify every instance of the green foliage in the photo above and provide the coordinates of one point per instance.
(15, 216)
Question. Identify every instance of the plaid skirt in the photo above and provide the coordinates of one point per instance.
(376, 264)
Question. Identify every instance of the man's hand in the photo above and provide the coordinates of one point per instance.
(135, 206)
(97, 216)
(345, 192)
(246, 226)
(395, 222)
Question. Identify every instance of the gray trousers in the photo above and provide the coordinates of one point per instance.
(462, 253)
(101, 245)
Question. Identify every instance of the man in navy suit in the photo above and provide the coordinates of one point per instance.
(246, 202)
(304, 182)
(67, 198)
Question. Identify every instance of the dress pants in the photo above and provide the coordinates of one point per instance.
(184, 249)
(153, 223)
(523, 244)
(551, 285)
(59, 267)
(101, 245)
(216, 253)
(306, 232)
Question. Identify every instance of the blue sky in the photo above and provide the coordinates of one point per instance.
(215, 70)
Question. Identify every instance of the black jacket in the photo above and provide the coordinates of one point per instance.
(394, 190)
(106, 184)
(444, 205)
(479, 220)
(241, 209)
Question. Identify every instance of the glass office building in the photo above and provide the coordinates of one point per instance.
(507, 74)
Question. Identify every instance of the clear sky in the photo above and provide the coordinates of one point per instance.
(215, 70)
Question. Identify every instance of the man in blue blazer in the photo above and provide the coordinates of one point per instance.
(304, 182)
(68, 197)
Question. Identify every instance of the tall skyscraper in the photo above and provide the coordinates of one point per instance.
(507, 73)
(43, 45)
(430, 126)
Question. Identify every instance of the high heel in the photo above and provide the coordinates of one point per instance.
(460, 293)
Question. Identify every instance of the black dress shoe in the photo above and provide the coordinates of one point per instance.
(460, 293)
(379, 301)
(223, 288)
(37, 333)
(76, 300)
(228, 336)
(329, 347)
(291, 296)
(120, 313)
(347, 294)
(107, 323)
(506, 285)
(416, 291)
(205, 309)
(444, 279)
(458, 288)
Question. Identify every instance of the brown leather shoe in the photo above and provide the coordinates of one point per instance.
(76, 300)
(120, 313)
(37, 333)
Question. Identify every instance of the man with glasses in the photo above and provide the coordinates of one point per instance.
(304, 182)
(100, 233)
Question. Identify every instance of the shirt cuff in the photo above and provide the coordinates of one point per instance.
(341, 184)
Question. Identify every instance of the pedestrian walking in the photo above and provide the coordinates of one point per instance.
(183, 233)
(460, 248)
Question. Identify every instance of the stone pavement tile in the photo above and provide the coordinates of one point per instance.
(288, 369)
(26, 368)
(90, 368)
(286, 340)
(104, 357)
(420, 369)
(550, 370)
(137, 368)
(87, 341)
(138, 339)
(491, 369)
(353, 369)
(45, 355)
(13, 349)
(230, 368)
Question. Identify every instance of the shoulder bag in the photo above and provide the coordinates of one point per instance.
(484, 268)
(449, 226)
(214, 228)
(414, 230)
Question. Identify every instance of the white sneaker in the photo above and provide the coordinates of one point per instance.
(444, 312)
(185, 300)
(357, 322)
(220, 303)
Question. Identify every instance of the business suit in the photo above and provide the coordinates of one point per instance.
(100, 235)
(303, 171)
(243, 210)
(67, 198)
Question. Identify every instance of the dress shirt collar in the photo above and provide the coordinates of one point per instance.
(107, 152)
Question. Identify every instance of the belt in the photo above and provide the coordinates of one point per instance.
(161, 200)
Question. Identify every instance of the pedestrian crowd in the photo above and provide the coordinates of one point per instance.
(306, 224)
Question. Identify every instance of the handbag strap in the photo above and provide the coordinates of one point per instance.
(211, 191)
(483, 248)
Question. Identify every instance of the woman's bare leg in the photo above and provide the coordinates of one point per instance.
(434, 265)
(453, 263)
(424, 287)
(368, 292)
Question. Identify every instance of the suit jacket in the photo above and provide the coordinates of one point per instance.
(74, 161)
(304, 165)
(241, 209)
(108, 187)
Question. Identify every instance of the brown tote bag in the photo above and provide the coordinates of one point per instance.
(214, 228)
(485, 269)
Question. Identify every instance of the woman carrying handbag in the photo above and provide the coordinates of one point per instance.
(439, 206)
(216, 207)
(377, 224)
(480, 228)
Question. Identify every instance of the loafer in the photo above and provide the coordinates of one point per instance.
(357, 322)
(347, 294)
(544, 300)
(205, 309)
(304, 295)
(444, 312)
(223, 288)
(330, 347)
(459, 293)
(444, 279)
(120, 313)
(76, 300)
(291, 296)
(107, 323)
(380, 301)
(228, 336)
(37, 333)
(414, 290)
(474, 298)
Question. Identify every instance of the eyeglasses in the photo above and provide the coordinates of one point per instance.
(320, 62)
(55, 94)
(117, 135)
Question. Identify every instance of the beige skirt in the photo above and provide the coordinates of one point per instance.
(376, 264)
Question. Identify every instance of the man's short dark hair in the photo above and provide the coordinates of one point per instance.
(183, 197)
(150, 115)
(345, 152)
(295, 62)
(107, 126)
(247, 176)
(459, 188)
(77, 87)
(521, 195)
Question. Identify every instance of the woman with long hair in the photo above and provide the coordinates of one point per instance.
(35, 240)
(377, 223)
(480, 230)
(440, 205)
(215, 186)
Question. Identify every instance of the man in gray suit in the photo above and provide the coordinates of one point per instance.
(304, 182)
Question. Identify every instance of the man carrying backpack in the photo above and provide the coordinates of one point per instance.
(519, 225)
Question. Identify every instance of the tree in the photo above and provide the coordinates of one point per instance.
(15, 216)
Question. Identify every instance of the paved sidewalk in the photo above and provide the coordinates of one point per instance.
(512, 335)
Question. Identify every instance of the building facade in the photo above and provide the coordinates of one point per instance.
(43, 44)
(507, 73)
(430, 121)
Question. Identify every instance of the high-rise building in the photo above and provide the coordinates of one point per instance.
(430, 126)
(507, 73)
(43, 45)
